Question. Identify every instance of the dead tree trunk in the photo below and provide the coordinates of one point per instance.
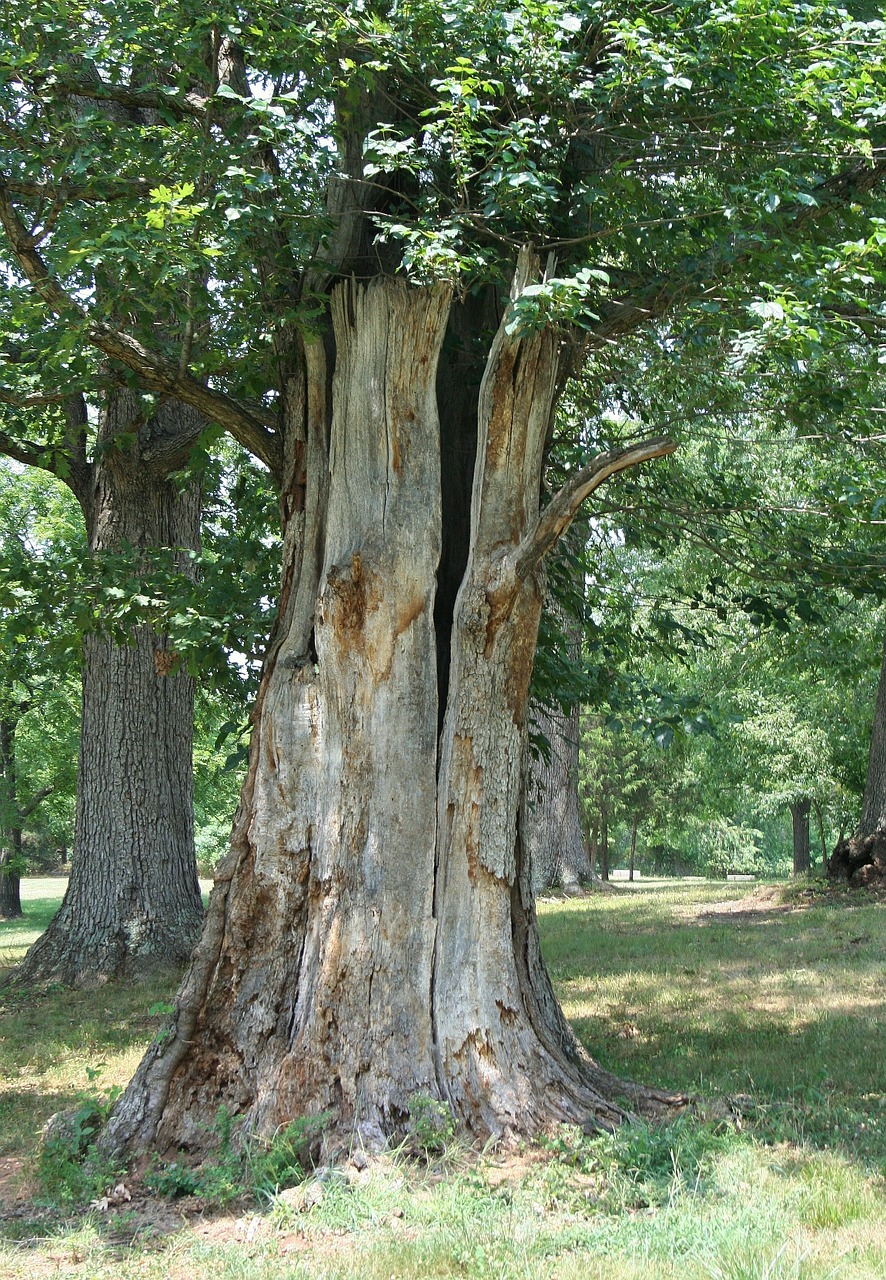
(861, 859)
(372, 934)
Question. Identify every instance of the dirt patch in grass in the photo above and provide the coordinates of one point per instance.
(763, 904)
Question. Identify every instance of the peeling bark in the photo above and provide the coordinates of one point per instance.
(372, 935)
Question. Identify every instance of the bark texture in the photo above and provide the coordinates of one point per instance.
(372, 935)
(133, 902)
(861, 859)
(10, 876)
(555, 838)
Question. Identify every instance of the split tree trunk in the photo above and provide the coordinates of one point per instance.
(862, 858)
(372, 935)
(800, 830)
(133, 902)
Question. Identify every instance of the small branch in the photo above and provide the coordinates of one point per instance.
(563, 507)
(89, 192)
(625, 314)
(34, 399)
(189, 104)
(250, 424)
(28, 453)
(27, 809)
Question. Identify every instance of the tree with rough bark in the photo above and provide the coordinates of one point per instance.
(411, 252)
(557, 848)
(556, 843)
(133, 901)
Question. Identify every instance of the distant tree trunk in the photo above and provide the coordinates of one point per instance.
(592, 856)
(10, 876)
(819, 816)
(133, 902)
(554, 836)
(862, 858)
(10, 829)
(604, 842)
(800, 827)
(634, 825)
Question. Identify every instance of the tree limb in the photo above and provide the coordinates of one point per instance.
(190, 104)
(625, 314)
(34, 399)
(26, 810)
(26, 452)
(97, 192)
(558, 515)
(250, 424)
(79, 472)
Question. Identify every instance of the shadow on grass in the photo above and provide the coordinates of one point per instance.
(785, 1006)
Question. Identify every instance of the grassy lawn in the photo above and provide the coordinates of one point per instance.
(766, 1003)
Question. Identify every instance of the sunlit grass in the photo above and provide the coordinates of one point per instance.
(779, 1010)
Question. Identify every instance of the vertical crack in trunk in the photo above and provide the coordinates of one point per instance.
(374, 935)
(472, 323)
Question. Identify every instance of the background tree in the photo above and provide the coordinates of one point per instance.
(36, 671)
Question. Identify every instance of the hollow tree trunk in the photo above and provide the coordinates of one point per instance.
(862, 858)
(372, 935)
(800, 831)
(133, 901)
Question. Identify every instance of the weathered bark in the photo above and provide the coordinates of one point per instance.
(555, 839)
(372, 935)
(861, 859)
(133, 901)
(634, 824)
(800, 832)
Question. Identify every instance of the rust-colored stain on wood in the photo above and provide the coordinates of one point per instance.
(407, 614)
(519, 670)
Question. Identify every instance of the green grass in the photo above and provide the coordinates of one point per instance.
(780, 1010)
